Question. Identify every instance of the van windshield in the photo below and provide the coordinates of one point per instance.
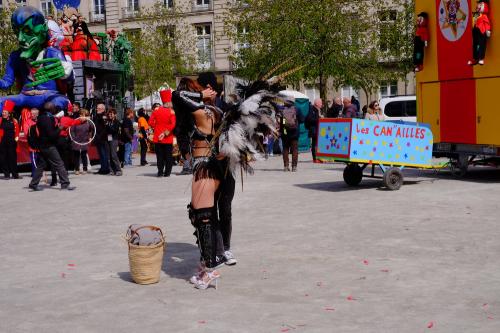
(401, 109)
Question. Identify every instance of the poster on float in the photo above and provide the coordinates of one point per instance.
(378, 142)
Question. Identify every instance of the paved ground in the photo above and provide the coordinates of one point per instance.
(314, 255)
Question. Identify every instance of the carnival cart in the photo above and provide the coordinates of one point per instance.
(392, 146)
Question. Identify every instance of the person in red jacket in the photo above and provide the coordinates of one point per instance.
(9, 134)
(163, 123)
(421, 41)
(481, 31)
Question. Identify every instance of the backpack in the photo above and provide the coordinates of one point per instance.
(290, 117)
(34, 137)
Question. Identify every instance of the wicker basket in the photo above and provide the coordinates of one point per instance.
(145, 262)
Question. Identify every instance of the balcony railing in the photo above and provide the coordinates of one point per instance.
(96, 18)
(129, 13)
(202, 8)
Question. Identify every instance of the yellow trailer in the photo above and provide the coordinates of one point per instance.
(456, 94)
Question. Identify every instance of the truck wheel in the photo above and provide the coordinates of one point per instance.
(353, 174)
(393, 178)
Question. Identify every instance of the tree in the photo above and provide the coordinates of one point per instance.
(8, 41)
(336, 39)
(158, 49)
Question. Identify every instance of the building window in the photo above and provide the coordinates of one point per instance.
(204, 45)
(46, 7)
(99, 7)
(387, 19)
(242, 37)
(19, 2)
(201, 5)
(168, 3)
(388, 88)
(133, 5)
(98, 12)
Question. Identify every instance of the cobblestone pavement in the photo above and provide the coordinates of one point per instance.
(313, 255)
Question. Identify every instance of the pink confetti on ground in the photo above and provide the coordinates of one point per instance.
(63, 275)
(384, 270)
(71, 265)
(365, 262)
(350, 298)
(430, 325)
(285, 329)
(329, 309)
(202, 321)
(485, 305)
(490, 317)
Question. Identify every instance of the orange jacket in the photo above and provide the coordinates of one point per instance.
(163, 120)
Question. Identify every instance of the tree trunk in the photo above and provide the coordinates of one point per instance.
(322, 93)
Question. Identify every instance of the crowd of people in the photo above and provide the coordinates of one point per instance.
(60, 139)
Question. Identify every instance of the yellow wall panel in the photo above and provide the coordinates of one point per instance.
(488, 111)
(431, 105)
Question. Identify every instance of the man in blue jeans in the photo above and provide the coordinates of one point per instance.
(128, 136)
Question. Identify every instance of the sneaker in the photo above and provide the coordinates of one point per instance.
(35, 188)
(77, 173)
(230, 259)
(286, 169)
(294, 169)
(186, 172)
(67, 188)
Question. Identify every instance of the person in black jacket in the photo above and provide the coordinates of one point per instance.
(113, 134)
(101, 139)
(311, 124)
(48, 136)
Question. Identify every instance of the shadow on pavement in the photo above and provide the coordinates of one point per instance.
(341, 186)
(477, 175)
(125, 276)
(180, 260)
(154, 174)
(269, 170)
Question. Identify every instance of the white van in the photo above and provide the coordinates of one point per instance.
(399, 108)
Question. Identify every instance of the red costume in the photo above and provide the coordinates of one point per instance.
(420, 41)
(9, 106)
(84, 48)
(163, 121)
(480, 33)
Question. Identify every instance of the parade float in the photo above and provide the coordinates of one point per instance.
(44, 69)
(391, 146)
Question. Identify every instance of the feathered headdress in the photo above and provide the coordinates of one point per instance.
(255, 114)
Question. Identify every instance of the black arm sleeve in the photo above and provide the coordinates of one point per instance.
(191, 101)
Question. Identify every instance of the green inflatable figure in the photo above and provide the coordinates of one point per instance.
(40, 71)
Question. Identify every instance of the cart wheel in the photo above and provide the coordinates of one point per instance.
(393, 178)
(353, 174)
